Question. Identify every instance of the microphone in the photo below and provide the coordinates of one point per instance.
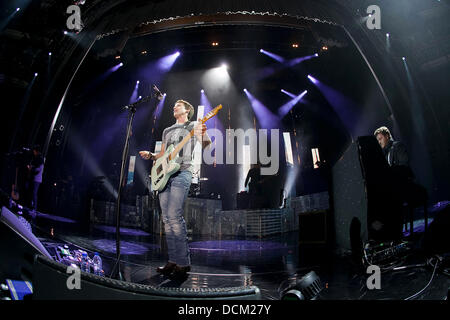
(158, 94)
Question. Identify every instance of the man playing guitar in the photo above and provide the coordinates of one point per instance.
(175, 192)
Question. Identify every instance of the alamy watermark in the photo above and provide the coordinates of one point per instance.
(374, 280)
(73, 22)
(374, 19)
(224, 151)
(74, 280)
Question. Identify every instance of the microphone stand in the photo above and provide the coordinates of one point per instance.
(131, 111)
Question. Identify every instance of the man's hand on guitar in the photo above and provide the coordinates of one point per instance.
(200, 130)
(146, 155)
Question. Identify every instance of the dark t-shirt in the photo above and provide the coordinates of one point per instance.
(37, 167)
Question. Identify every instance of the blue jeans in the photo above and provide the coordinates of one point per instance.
(172, 199)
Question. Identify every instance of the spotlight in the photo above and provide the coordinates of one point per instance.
(224, 66)
(177, 53)
(312, 79)
(18, 9)
(325, 48)
(261, 50)
(137, 82)
(49, 53)
(307, 288)
(202, 91)
(294, 45)
(35, 74)
(316, 54)
(387, 35)
(164, 94)
(144, 52)
(65, 32)
(140, 97)
(117, 57)
(403, 58)
(121, 64)
(245, 90)
(215, 44)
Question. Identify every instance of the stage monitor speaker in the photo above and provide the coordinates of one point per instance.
(349, 198)
(437, 237)
(313, 227)
(18, 245)
(50, 280)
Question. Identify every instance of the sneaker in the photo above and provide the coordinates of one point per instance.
(180, 273)
(167, 269)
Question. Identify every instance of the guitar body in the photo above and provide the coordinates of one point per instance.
(166, 165)
(163, 169)
(14, 193)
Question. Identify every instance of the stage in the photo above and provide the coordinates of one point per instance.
(272, 263)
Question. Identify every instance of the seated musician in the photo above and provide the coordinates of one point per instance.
(403, 178)
(395, 153)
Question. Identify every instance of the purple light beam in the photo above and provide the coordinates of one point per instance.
(283, 110)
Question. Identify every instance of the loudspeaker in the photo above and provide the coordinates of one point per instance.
(50, 280)
(349, 198)
(18, 245)
(313, 227)
(437, 237)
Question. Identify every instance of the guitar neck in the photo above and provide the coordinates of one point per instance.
(181, 145)
(188, 137)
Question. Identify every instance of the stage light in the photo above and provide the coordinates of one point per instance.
(202, 91)
(215, 44)
(265, 117)
(294, 45)
(245, 90)
(307, 288)
(387, 35)
(272, 55)
(140, 97)
(144, 52)
(18, 9)
(166, 63)
(121, 64)
(117, 57)
(49, 53)
(65, 32)
(312, 79)
(325, 48)
(316, 54)
(137, 82)
(35, 74)
(224, 66)
(288, 93)
(403, 58)
(284, 109)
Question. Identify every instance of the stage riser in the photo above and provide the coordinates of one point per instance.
(203, 217)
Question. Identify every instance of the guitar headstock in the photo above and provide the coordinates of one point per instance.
(211, 114)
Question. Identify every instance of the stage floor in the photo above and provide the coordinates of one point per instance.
(272, 264)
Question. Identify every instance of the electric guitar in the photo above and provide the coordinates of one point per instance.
(166, 166)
